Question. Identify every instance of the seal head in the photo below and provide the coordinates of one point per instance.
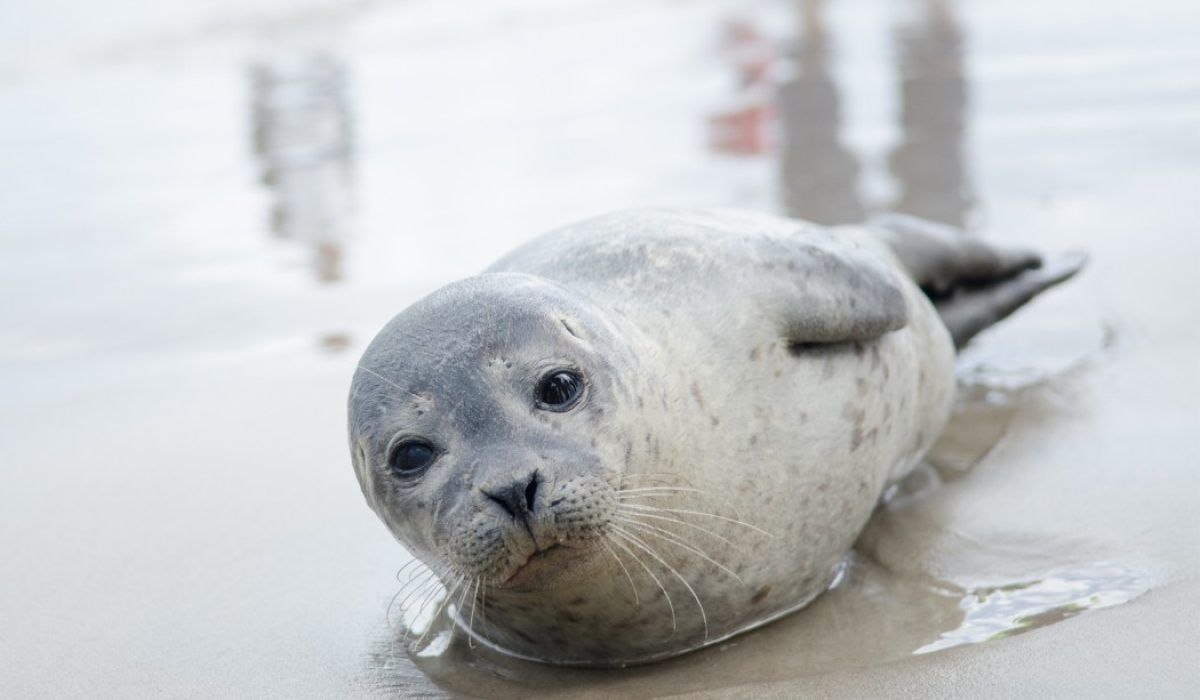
(478, 422)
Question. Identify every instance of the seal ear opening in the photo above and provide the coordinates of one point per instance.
(570, 329)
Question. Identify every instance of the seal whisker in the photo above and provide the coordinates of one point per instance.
(664, 478)
(626, 495)
(667, 596)
(636, 601)
(679, 521)
(669, 491)
(642, 489)
(415, 584)
(438, 611)
(483, 621)
(416, 576)
(387, 612)
(680, 542)
(411, 563)
(422, 581)
(420, 592)
(646, 497)
(431, 598)
(428, 595)
(735, 521)
(472, 586)
(640, 496)
(387, 381)
(468, 581)
(637, 542)
(471, 620)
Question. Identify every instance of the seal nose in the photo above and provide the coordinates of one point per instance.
(516, 498)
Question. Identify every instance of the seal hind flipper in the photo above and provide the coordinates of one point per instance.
(971, 310)
(941, 258)
(973, 284)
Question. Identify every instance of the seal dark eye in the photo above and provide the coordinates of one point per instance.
(560, 390)
(411, 457)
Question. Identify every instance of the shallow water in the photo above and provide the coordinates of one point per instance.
(207, 210)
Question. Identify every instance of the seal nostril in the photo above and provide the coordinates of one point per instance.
(503, 501)
(516, 499)
(531, 492)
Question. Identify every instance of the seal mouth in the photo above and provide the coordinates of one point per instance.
(528, 569)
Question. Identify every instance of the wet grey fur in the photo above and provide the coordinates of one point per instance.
(751, 385)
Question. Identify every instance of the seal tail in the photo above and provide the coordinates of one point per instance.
(972, 284)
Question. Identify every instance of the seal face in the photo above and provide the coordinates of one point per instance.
(477, 416)
(649, 431)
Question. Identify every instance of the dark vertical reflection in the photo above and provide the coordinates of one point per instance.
(819, 175)
(302, 137)
(928, 163)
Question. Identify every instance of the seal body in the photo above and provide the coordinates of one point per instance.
(747, 387)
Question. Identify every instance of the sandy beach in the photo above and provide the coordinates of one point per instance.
(208, 209)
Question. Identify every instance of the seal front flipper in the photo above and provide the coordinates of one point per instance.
(836, 291)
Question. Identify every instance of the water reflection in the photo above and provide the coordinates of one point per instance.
(335, 342)
(303, 139)
(995, 612)
(744, 129)
(796, 99)
(929, 163)
(819, 175)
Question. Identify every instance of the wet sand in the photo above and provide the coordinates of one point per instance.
(208, 211)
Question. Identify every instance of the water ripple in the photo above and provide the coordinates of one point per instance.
(1003, 611)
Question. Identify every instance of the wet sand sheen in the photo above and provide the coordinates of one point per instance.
(208, 211)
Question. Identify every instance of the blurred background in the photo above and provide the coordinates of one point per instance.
(208, 208)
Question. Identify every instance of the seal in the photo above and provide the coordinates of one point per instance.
(652, 430)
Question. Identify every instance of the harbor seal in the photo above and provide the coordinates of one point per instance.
(652, 430)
